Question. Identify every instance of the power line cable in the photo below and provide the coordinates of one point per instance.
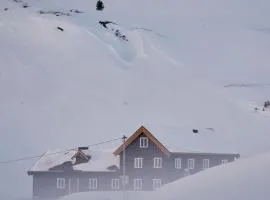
(39, 156)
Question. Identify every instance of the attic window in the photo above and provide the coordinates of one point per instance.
(143, 142)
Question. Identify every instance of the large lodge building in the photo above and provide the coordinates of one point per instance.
(148, 164)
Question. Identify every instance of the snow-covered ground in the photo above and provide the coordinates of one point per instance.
(247, 179)
(107, 195)
(188, 63)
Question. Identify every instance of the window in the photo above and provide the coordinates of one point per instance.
(177, 163)
(156, 183)
(191, 163)
(93, 183)
(137, 184)
(224, 162)
(115, 184)
(138, 162)
(61, 183)
(143, 142)
(157, 162)
(205, 163)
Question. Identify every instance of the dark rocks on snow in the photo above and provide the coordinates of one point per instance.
(25, 5)
(75, 11)
(195, 131)
(104, 23)
(120, 35)
(60, 13)
(60, 28)
(266, 104)
(56, 13)
(116, 32)
(5, 9)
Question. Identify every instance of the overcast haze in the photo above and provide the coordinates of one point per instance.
(204, 64)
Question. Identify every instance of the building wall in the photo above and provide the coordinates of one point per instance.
(168, 172)
(45, 183)
(147, 172)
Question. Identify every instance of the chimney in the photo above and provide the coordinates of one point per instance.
(83, 148)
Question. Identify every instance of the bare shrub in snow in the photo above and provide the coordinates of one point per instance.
(266, 104)
(100, 5)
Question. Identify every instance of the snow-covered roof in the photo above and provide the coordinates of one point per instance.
(183, 139)
(99, 161)
(53, 158)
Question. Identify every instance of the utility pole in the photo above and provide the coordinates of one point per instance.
(124, 166)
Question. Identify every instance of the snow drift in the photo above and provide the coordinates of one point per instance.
(243, 179)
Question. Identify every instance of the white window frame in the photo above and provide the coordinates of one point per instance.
(60, 183)
(157, 162)
(157, 183)
(138, 162)
(206, 163)
(137, 184)
(178, 163)
(225, 161)
(93, 183)
(191, 163)
(143, 142)
(115, 184)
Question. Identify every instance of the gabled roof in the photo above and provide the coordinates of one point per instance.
(150, 136)
(174, 140)
(182, 139)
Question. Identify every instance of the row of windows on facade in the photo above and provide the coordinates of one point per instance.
(115, 183)
(138, 163)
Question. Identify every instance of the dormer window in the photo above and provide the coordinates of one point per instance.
(143, 142)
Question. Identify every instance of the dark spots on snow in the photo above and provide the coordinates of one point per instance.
(266, 104)
(60, 13)
(56, 13)
(25, 5)
(195, 131)
(60, 28)
(116, 32)
(5, 9)
(76, 11)
(104, 23)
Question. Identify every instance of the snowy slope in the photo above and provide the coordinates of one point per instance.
(83, 85)
(106, 195)
(244, 179)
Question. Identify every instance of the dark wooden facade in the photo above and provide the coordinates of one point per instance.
(45, 183)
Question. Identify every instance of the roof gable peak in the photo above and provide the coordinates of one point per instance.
(137, 134)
